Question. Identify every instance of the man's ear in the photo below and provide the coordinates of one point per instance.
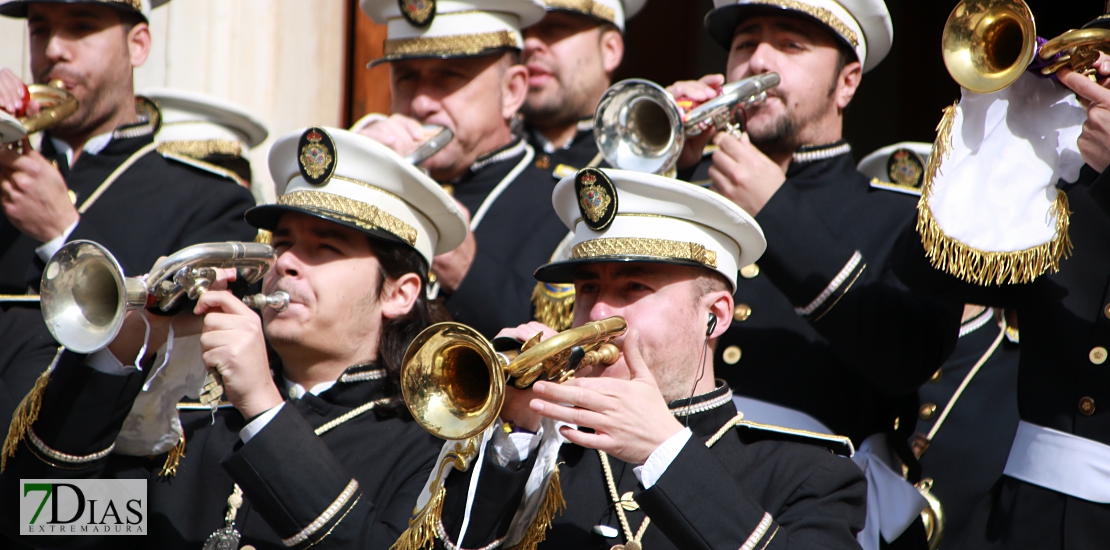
(612, 51)
(720, 306)
(398, 295)
(138, 44)
(847, 82)
(514, 89)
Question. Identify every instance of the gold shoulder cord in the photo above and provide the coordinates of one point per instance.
(620, 504)
(227, 536)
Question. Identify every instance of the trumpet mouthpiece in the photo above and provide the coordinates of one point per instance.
(277, 301)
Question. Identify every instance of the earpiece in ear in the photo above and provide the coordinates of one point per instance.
(712, 324)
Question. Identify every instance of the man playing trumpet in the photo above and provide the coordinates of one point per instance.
(648, 452)
(313, 446)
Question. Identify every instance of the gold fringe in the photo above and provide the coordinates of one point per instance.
(169, 468)
(554, 308)
(553, 504)
(27, 412)
(982, 267)
(422, 529)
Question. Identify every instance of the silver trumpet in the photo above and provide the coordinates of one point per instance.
(440, 137)
(85, 294)
(639, 126)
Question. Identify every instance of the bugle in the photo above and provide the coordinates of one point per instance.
(453, 379)
(639, 126)
(55, 105)
(85, 294)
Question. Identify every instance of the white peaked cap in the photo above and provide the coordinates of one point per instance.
(611, 11)
(451, 28)
(190, 116)
(625, 216)
(354, 181)
(864, 24)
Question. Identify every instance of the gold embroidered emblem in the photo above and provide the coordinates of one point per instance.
(317, 159)
(906, 167)
(418, 12)
(597, 198)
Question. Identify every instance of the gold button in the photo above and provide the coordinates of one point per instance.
(1106, 311)
(928, 411)
(936, 376)
(1087, 406)
(749, 271)
(1097, 355)
(72, 197)
(897, 422)
(741, 312)
(731, 355)
(543, 162)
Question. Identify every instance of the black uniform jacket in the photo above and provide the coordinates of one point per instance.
(518, 234)
(289, 475)
(26, 349)
(968, 453)
(856, 361)
(1062, 317)
(579, 153)
(710, 498)
(155, 208)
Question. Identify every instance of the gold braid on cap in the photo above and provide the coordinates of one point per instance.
(588, 7)
(366, 216)
(651, 248)
(821, 14)
(459, 44)
(136, 5)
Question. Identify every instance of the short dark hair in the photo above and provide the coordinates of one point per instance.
(845, 56)
(396, 334)
(129, 19)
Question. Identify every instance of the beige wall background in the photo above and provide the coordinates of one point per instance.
(282, 60)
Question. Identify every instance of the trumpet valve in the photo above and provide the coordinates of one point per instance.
(277, 301)
(605, 354)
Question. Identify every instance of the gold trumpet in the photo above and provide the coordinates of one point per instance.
(56, 104)
(453, 379)
(988, 44)
(639, 126)
(85, 294)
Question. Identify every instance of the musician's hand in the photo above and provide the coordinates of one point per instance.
(451, 267)
(743, 174)
(129, 341)
(1094, 142)
(14, 97)
(233, 345)
(516, 407)
(699, 91)
(398, 132)
(630, 419)
(34, 194)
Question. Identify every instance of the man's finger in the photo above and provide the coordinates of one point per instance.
(570, 415)
(1084, 87)
(584, 439)
(220, 300)
(637, 367)
(573, 395)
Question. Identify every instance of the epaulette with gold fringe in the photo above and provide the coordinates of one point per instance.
(27, 412)
(554, 305)
(202, 165)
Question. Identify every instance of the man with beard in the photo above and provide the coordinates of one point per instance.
(824, 336)
(313, 447)
(571, 55)
(649, 451)
(98, 175)
(458, 66)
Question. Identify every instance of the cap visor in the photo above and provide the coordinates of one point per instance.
(266, 217)
(563, 272)
(391, 58)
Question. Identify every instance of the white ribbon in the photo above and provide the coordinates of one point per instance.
(1060, 461)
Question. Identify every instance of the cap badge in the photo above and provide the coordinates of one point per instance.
(597, 198)
(906, 167)
(317, 156)
(419, 13)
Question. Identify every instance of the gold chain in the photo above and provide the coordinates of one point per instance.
(620, 509)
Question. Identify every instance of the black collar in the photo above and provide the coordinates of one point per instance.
(705, 413)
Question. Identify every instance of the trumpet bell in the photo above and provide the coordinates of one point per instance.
(988, 44)
(638, 127)
(453, 381)
(83, 293)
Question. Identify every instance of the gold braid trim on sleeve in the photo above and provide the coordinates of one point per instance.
(983, 267)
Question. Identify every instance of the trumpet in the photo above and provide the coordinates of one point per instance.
(988, 44)
(56, 104)
(440, 137)
(85, 295)
(639, 126)
(453, 379)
